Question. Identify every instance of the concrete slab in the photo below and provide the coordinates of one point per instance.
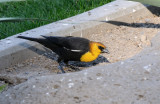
(133, 81)
(13, 50)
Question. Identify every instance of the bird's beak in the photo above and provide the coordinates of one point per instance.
(105, 51)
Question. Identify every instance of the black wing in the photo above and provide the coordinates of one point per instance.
(42, 41)
(69, 42)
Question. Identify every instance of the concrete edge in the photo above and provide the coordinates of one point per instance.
(13, 50)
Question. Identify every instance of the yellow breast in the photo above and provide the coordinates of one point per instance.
(92, 54)
(88, 57)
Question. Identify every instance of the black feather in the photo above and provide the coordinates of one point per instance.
(64, 46)
(42, 41)
(69, 42)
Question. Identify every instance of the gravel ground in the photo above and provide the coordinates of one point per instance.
(123, 42)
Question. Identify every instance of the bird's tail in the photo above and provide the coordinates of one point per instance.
(30, 38)
(42, 41)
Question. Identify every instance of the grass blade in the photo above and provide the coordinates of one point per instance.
(3, 87)
(11, 19)
(1, 1)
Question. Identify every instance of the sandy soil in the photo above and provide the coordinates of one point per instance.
(123, 42)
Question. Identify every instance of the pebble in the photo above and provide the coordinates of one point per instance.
(62, 79)
(145, 41)
(47, 93)
(147, 20)
(122, 63)
(147, 68)
(99, 78)
(70, 85)
(143, 38)
(8, 42)
(134, 10)
(107, 19)
(33, 86)
(135, 37)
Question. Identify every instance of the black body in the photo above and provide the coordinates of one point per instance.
(68, 48)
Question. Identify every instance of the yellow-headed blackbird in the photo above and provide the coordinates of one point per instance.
(71, 48)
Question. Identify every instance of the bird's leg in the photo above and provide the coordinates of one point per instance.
(71, 66)
(61, 64)
(61, 67)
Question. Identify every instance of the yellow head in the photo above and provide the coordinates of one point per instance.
(96, 48)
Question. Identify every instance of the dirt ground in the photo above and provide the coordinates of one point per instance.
(123, 42)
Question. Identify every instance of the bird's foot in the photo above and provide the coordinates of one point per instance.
(73, 67)
(61, 68)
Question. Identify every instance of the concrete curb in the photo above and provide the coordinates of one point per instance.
(13, 50)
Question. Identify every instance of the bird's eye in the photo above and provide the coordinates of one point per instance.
(101, 48)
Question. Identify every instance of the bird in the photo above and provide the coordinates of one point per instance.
(70, 48)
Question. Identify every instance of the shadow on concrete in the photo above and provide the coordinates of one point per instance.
(154, 10)
(45, 51)
(135, 25)
(100, 59)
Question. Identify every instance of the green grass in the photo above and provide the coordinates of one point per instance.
(2, 87)
(51, 10)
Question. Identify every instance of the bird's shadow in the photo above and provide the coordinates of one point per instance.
(100, 59)
(135, 25)
(45, 51)
(154, 10)
(53, 56)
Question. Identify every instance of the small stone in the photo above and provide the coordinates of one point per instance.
(33, 86)
(122, 63)
(143, 38)
(70, 80)
(56, 86)
(99, 78)
(148, 43)
(47, 93)
(98, 74)
(62, 79)
(26, 73)
(107, 19)
(147, 20)
(89, 13)
(70, 85)
(134, 10)
(8, 42)
(147, 68)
